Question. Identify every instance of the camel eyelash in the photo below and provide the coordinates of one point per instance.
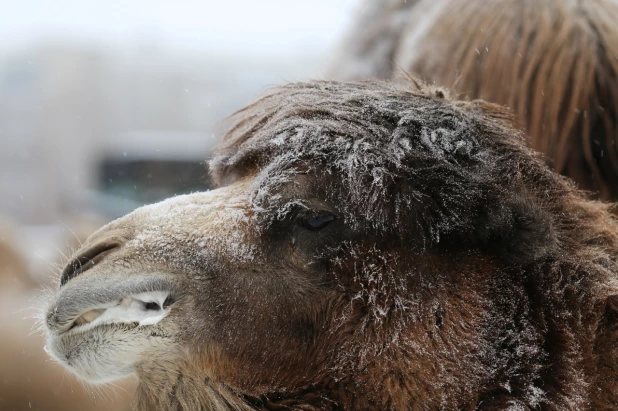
(300, 214)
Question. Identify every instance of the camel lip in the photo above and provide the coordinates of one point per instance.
(82, 302)
(141, 309)
(84, 329)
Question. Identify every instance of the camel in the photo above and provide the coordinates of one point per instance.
(368, 245)
(553, 62)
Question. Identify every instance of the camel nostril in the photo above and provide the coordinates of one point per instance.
(152, 306)
(86, 260)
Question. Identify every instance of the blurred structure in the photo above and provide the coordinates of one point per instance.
(65, 110)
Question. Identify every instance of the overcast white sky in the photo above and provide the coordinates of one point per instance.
(217, 25)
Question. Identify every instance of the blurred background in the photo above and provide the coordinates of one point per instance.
(105, 107)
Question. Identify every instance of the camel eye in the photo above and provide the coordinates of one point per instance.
(318, 222)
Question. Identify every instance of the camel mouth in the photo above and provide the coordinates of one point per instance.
(108, 331)
(142, 309)
(84, 303)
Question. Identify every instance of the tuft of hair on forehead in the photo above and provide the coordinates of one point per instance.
(403, 160)
(355, 111)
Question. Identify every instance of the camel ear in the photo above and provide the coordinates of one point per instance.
(518, 232)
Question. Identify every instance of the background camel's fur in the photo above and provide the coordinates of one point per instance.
(456, 271)
(554, 62)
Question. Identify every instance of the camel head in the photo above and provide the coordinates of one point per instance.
(368, 246)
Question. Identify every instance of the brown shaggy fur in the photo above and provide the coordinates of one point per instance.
(497, 277)
(554, 62)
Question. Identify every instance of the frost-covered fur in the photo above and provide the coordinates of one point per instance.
(554, 62)
(459, 272)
